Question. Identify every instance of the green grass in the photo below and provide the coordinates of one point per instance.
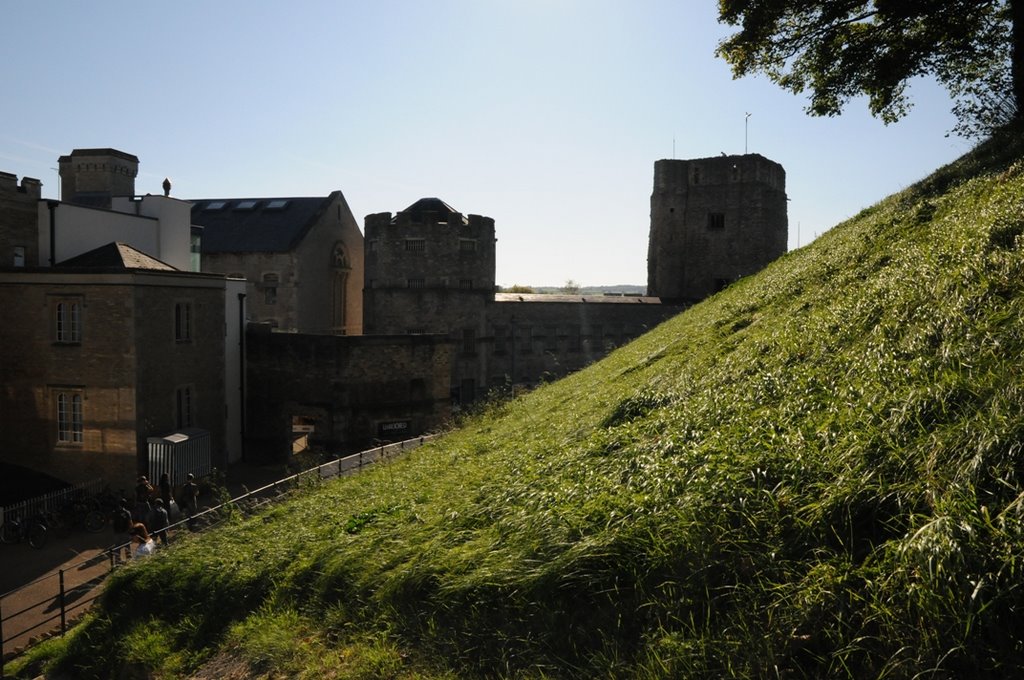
(816, 473)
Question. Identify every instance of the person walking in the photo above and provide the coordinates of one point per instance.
(122, 523)
(190, 499)
(160, 521)
(165, 490)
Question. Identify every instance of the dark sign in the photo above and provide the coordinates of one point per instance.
(395, 429)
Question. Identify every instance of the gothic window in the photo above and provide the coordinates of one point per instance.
(339, 259)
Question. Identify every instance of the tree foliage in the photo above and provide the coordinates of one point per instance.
(838, 49)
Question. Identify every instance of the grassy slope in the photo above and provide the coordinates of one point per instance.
(816, 473)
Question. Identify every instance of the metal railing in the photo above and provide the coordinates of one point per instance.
(63, 594)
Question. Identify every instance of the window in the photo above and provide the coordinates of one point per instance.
(69, 417)
(467, 245)
(19, 256)
(466, 284)
(696, 175)
(468, 341)
(184, 407)
(415, 245)
(183, 321)
(69, 321)
(716, 221)
(246, 205)
(415, 283)
(270, 282)
(371, 245)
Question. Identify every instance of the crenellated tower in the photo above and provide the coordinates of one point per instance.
(713, 220)
(429, 269)
(95, 176)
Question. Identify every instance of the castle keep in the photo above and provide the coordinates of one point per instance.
(713, 221)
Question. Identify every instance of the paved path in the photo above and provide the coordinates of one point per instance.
(33, 609)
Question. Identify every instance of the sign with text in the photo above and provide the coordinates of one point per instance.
(397, 429)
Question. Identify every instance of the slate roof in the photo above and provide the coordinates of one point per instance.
(256, 225)
(116, 256)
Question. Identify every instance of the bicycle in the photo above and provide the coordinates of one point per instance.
(17, 529)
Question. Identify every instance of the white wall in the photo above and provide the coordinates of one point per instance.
(159, 226)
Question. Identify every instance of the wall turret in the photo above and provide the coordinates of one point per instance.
(713, 220)
(95, 176)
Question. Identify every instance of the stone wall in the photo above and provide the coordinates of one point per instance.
(354, 391)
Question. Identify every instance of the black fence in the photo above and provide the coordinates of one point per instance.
(51, 603)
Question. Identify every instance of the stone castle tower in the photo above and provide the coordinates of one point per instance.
(713, 220)
(429, 269)
(94, 176)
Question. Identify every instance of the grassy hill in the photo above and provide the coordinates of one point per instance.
(816, 473)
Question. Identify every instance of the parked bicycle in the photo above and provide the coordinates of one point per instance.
(17, 529)
(80, 512)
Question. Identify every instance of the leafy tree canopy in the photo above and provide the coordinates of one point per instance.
(839, 49)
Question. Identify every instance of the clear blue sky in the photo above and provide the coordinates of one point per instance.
(547, 115)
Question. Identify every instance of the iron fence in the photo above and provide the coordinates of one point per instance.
(51, 501)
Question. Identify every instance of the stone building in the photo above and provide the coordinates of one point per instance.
(430, 269)
(303, 258)
(18, 239)
(343, 394)
(713, 220)
(109, 349)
